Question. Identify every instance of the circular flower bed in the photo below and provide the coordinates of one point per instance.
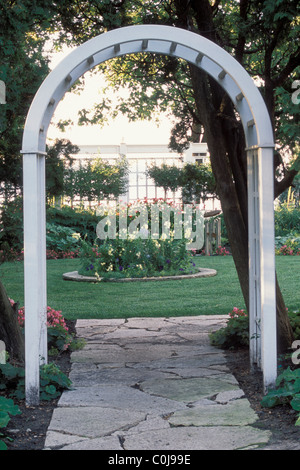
(136, 258)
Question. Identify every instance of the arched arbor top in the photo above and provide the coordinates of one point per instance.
(167, 40)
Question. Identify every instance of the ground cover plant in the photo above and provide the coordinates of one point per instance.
(7, 409)
(287, 391)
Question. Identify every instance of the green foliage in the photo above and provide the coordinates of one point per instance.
(64, 225)
(197, 182)
(23, 33)
(58, 155)
(79, 220)
(287, 391)
(60, 238)
(52, 381)
(7, 407)
(236, 333)
(108, 179)
(97, 180)
(12, 380)
(135, 258)
(287, 220)
(58, 339)
(288, 245)
(294, 317)
(165, 176)
(287, 230)
(11, 226)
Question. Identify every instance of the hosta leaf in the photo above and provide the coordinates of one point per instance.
(295, 403)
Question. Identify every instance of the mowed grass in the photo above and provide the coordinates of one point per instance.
(203, 296)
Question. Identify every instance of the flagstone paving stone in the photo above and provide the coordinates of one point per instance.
(152, 384)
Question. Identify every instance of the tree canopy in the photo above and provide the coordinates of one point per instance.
(24, 29)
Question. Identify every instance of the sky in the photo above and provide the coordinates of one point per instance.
(114, 132)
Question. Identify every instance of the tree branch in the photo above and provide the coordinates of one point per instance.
(288, 69)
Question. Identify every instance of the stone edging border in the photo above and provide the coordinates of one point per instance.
(203, 272)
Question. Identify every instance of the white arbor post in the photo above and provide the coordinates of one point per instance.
(34, 272)
(254, 259)
(267, 266)
(262, 295)
(233, 78)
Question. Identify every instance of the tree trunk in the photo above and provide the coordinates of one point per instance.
(226, 144)
(10, 331)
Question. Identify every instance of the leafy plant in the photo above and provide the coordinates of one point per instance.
(59, 338)
(61, 238)
(236, 332)
(11, 226)
(52, 381)
(83, 221)
(288, 244)
(12, 380)
(136, 258)
(7, 407)
(294, 317)
(287, 391)
(287, 220)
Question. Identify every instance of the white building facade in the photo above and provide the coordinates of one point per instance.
(140, 158)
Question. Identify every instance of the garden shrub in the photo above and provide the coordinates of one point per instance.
(59, 338)
(11, 226)
(52, 381)
(287, 391)
(82, 221)
(288, 244)
(222, 251)
(61, 239)
(136, 258)
(287, 220)
(235, 334)
(294, 317)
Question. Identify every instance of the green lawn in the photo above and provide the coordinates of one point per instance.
(203, 296)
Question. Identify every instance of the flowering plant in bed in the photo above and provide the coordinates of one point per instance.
(137, 257)
(59, 338)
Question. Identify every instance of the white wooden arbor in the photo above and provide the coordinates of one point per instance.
(260, 144)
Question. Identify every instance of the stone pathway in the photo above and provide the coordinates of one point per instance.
(152, 384)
